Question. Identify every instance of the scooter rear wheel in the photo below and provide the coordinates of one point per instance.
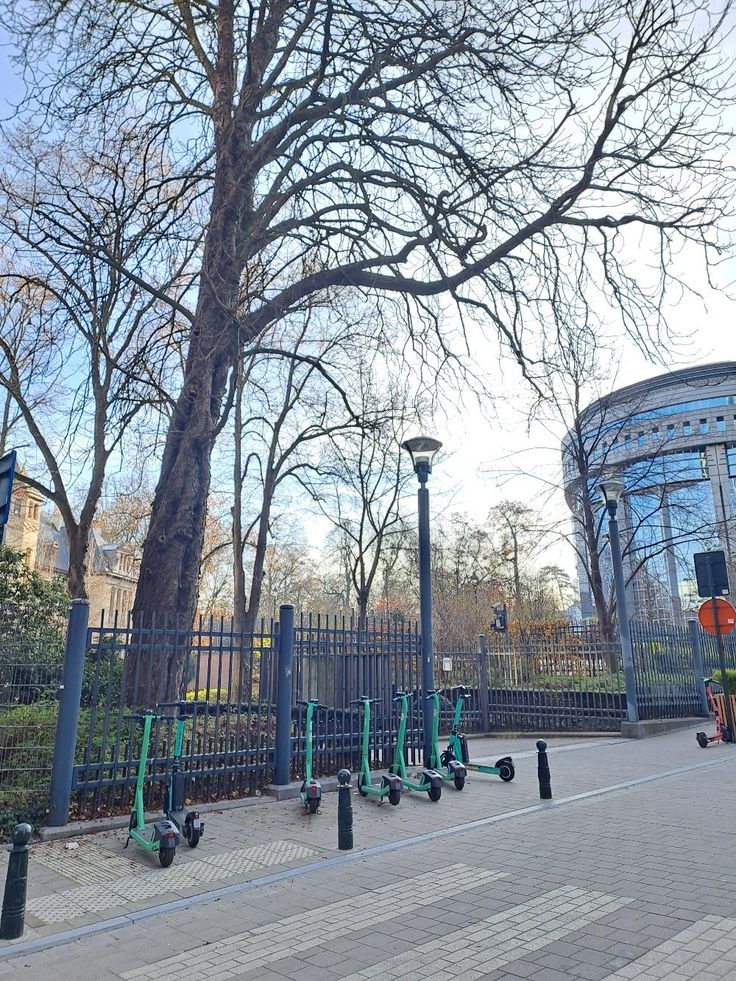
(434, 793)
(313, 804)
(459, 782)
(506, 770)
(166, 856)
(394, 797)
(702, 740)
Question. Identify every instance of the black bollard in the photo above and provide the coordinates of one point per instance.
(344, 812)
(545, 784)
(16, 882)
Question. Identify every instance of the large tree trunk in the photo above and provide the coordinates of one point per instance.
(169, 576)
(77, 539)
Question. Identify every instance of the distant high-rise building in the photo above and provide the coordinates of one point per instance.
(672, 441)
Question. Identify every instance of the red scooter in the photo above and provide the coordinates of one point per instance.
(722, 733)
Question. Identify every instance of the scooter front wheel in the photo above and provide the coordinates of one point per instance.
(191, 833)
(166, 856)
(361, 786)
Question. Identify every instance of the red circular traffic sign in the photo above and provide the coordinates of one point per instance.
(726, 616)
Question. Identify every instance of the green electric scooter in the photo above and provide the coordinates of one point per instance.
(453, 769)
(390, 785)
(311, 790)
(189, 823)
(163, 835)
(431, 781)
(457, 747)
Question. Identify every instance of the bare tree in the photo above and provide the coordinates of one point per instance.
(95, 344)
(520, 537)
(360, 483)
(467, 578)
(503, 155)
(289, 400)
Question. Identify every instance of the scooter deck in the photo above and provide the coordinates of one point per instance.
(493, 771)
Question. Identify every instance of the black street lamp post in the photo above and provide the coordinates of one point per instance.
(611, 491)
(422, 450)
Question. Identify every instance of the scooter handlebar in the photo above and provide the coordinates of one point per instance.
(362, 700)
(154, 716)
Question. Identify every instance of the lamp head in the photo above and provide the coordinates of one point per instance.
(611, 490)
(421, 449)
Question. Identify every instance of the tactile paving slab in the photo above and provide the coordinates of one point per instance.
(144, 883)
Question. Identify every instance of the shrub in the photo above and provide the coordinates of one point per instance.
(207, 695)
(27, 736)
(730, 685)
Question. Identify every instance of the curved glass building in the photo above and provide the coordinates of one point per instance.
(672, 440)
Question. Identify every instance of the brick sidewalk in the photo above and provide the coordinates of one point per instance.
(633, 883)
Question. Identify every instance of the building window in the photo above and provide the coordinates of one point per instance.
(17, 507)
(671, 431)
(720, 424)
(641, 440)
(687, 429)
(703, 426)
(655, 435)
(627, 443)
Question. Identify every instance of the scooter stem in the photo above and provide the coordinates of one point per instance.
(434, 760)
(366, 737)
(400, 765)
(178, 747)
(139, 813)
(310, 713)
(458, 713)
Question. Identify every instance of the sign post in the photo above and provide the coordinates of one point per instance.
(7, 476)
(712, 576)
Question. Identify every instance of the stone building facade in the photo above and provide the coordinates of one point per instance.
(112, 570)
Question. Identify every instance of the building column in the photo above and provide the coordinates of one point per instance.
(718, 476)
(671, 560)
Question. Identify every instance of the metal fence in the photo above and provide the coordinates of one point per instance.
(336, 660)
(565, 679)
(666, 684)
(30, 675)
(552, 681)
(229, 677)
(709, 648)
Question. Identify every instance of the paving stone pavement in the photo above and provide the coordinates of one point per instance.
(638, 882)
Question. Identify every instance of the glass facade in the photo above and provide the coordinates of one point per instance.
(678, 464)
